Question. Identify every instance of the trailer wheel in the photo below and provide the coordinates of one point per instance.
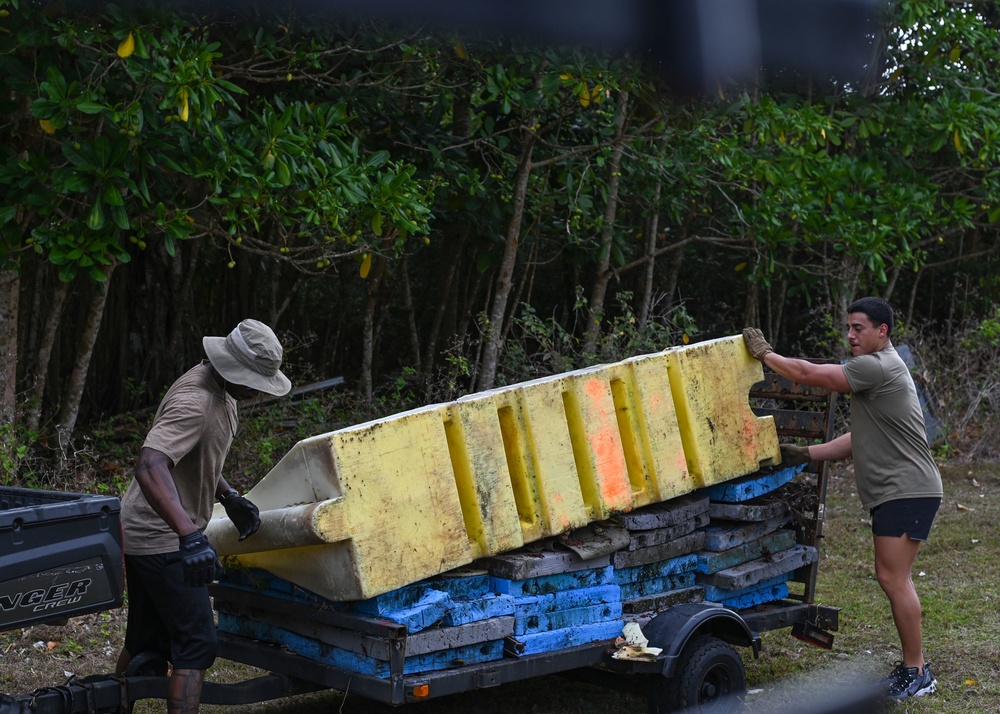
(147, 664)
(710, 679)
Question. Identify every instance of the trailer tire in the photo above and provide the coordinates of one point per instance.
(147, 664)
(710, 679)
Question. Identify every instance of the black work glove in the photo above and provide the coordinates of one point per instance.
(755, 342)
(244, 515)
(198, 559)
(792, 455)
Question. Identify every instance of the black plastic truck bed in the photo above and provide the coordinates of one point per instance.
(60, 555)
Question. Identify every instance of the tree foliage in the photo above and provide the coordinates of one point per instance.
(449, 204)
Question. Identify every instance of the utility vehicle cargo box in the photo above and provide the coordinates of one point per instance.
(60, 555)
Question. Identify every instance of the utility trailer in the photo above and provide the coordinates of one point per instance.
(697, 669)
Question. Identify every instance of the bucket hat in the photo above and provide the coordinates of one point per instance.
(250, 355)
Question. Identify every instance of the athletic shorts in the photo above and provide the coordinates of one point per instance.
(165, 615)
(912, 516)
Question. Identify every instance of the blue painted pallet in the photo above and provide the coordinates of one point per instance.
(716, 594)
(482, 608)
(424, 613)
(261, 581)
(758, 597)
(578, 617)
(748, 487)
(630, 591)
(462, 584)
(566, 600)
(682, 564)
(570, 637)
(352, 662)
(554, 583)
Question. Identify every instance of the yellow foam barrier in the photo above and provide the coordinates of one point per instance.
(722, 436)
(360, 511)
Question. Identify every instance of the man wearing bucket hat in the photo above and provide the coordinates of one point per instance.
(178, 477)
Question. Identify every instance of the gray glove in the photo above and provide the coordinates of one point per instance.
(198, 559)
(792, 455)
(755, 342)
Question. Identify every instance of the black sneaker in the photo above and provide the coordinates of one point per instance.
(895, 674)
(911, 682)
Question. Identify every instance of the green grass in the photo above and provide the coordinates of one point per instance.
(957, 575)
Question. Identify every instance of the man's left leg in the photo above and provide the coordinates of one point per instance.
(184, 691)
(894, 558)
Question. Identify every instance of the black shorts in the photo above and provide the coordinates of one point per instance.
(165, 615)
(912, 516)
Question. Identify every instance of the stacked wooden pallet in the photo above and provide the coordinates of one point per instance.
(748, 556)
(725, 544)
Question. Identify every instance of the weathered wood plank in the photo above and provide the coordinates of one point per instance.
(648, 604)
(667, 513)
(757, 509)
(659, 536)
(690, 543)
(756, 571)
(524, 565)
(721, 535)
(712, 562)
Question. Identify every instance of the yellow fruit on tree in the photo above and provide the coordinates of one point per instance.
(126, 47)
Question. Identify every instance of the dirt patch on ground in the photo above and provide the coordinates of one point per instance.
(47, 655)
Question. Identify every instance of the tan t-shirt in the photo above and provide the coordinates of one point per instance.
(888, 439)
(194, 427)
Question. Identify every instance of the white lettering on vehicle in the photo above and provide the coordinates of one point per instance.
(55, 597)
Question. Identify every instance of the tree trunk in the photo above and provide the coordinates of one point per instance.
(10, 292)
(519, 297)
(673, 274)
(44, 357)
(365, 386)
(504, 282)
(595, 306)
(447, 290)
(411, 319)
(652, 228)
(751, 311)
(85, 350)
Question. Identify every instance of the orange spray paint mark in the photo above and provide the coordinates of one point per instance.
(605, 445)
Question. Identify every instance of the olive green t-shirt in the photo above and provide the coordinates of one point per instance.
(888, 440)
(194, 427)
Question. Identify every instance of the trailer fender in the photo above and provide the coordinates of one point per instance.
(673, 628)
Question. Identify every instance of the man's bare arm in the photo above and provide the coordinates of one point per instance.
(839, 448)
(829, 376)
(152, 473)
